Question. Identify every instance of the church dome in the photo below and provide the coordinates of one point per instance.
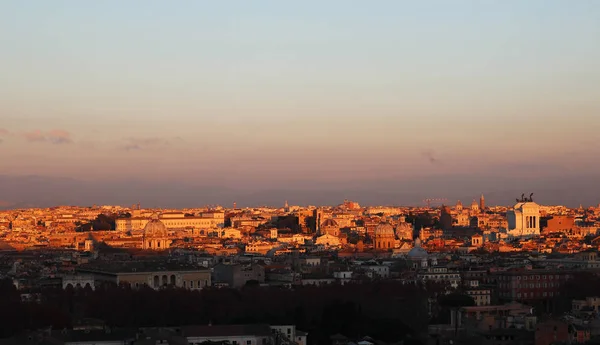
(155, 228)
(329, 223)
(384, 229)
(417, 252)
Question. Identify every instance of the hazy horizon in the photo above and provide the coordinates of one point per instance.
(387, 102)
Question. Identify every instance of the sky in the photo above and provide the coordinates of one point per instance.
(324, 99)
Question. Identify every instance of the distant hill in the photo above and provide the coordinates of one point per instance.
(44, 191)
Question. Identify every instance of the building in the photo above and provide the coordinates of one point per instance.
(481, 296)
(552, 332)
(172, 221)
(384, 237)
(560, 224)
(417, 256)
(234, 334)
(237, 275)
(440, 275)
(404, 230)
(330, 227)
(156, 236)
(155, 274)
(78, 281)
(477, 240)
(524, 219)
(530, 285)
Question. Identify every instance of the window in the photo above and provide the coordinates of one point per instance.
(191, 284)
(248, 342)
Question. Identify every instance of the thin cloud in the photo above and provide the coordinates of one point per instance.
(55, 136)
(4, 132)
(137, 144)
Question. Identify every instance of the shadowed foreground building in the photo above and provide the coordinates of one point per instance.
(249, 334)
(150, 273)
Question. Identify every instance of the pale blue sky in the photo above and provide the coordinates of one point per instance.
(350, 90)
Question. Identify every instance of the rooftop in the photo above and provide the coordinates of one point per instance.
(139, 267)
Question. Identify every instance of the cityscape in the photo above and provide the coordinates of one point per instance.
(275, 172)
(474, 273)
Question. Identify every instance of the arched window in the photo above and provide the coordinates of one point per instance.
(173, 279)
(165, 280)
(156, 282)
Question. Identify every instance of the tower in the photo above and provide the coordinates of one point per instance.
(459, 206)
(482, 203)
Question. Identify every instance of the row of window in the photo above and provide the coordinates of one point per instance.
(531, 277)
(191, 283)
(235, 342)
(531, 285)
(538, 294)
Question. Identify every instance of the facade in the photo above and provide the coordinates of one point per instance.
(560, 224)
(174, 221)
(234, 334)
(78, 281)
(440, 275)
(524, 219)
(530, 285)
(152, 274)
(379, 271)
(482, 297)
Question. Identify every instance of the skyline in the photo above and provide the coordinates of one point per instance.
(464, 98)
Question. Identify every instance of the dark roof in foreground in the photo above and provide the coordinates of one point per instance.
(226, 330)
